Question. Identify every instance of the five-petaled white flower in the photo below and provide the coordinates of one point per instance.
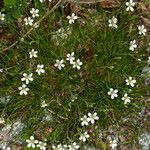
(84, 120)
(84, 136)
(2, 16)
(40, 69)
(72, 18)
(70, 57)
(130, 81)
(113, 22)
(73, 146)
(126, 98)
(33, 53)
(31, 142)
(92, 117)
(77, 64)
(113, 144)
(142, 30)
(34, 12)
(27, 78)
(113, 93)
(59, 64)
(23, 89)
(133, 45)
(28, 21)
(43, 104)
(41, 145)
(130, 5)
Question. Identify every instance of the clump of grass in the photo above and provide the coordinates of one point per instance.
(59, 96)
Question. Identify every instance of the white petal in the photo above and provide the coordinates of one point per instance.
(68, 17)
(33, 145)
(27, 141)
(36, 141)
(21, 92)
(31, 137)
(29, 145)
(92, 121)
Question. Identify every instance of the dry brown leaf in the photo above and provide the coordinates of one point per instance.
(89, 54)
(103, 3)
(76, 8)
(48, 130)
(7, 37)
(143, 8)
(84, 1)
(146, 22)
(16, 147)
(109, 3)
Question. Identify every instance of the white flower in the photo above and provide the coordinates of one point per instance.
(41, 145)
(58, 147)
(28, 21)
(142, 30)
(72, 18)
(130, 81)
(77, 64)
(2, 16)
(148, 61)
(130, 5)
(70, 57)
(2, 120)
(43, 104)
(133, 45)
(34, 12)
(23, 89)
(59, 64)
(74, 146)
(40, 69)
(33, 53)
(84, 136)
(113, 93)
(31, 142)
(84, 120)
(113, 22)
(126, 98)
(113, 144)
(27, 78)
(92, 117)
